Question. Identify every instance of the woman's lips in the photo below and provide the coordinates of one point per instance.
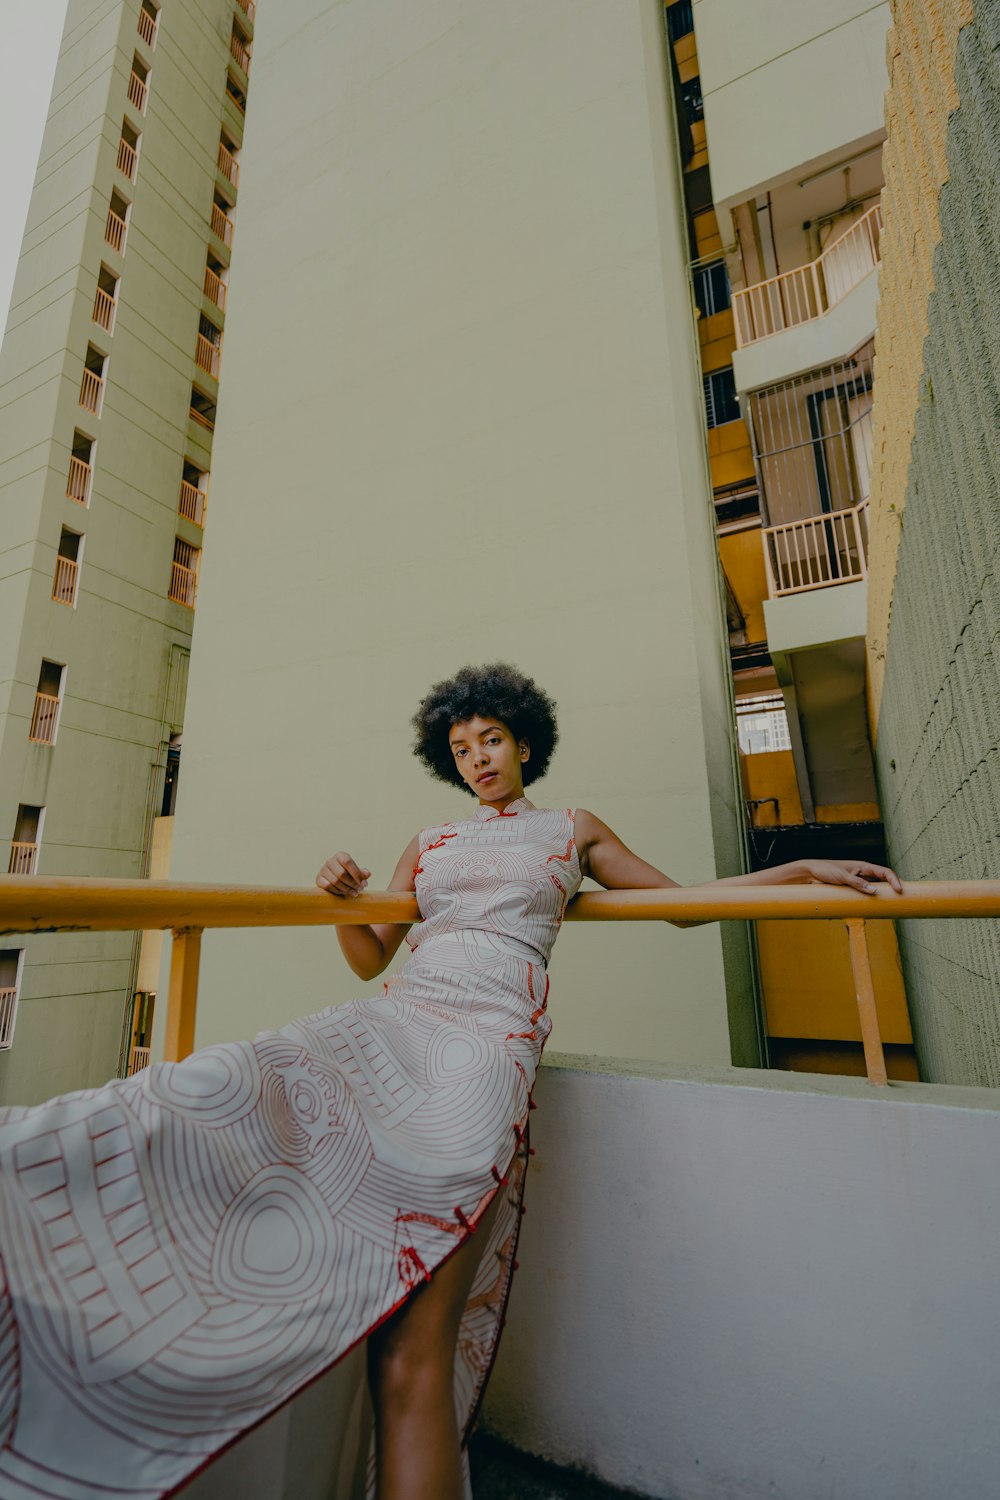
(487, 776)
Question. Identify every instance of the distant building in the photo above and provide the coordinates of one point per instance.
(109, 378)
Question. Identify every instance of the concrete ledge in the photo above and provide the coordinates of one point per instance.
(818, 617)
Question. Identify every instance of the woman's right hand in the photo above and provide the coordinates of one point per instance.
(341, 876)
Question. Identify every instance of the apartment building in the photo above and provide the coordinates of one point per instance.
(783, 179)
(109, 379)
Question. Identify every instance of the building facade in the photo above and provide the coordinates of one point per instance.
(934, 617)
(108, 387)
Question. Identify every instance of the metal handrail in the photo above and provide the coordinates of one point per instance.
(64, 903)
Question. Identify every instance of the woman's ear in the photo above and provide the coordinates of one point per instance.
(525, 751)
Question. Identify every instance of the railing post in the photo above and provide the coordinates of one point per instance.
(182, 1003)
(864, 988)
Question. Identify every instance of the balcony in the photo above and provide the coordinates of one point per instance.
(816, 552)
(764, 1229)
(240, 48)
(807, 292)
(45, 719)
(215, 288)
(78, 483)
(8, 1008)
(127, 158)
(222, 225)
(249, 9)
(228, 165)
(104, 309)
(92, 391)
(138, 91)
(139, 1058)
(207, 355)
(192, 503)
(148, 23)
(65, 580)
(184, 574)
(23, 858)
(114, 230)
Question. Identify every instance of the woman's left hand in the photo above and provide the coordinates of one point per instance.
(857, 873)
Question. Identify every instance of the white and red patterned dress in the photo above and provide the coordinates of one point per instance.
(185, 1249)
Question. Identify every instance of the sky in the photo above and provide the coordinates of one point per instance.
(32, 30)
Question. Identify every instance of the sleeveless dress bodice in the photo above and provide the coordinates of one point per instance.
(185, 1249)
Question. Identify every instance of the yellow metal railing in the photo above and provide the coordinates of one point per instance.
(56, 904)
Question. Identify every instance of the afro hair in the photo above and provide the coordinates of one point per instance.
(496, 691)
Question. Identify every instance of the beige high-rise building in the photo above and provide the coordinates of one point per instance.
(109, 379)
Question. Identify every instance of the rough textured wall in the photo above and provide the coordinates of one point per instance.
(939, 727)
(920, 56)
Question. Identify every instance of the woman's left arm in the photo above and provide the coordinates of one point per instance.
(612, 864)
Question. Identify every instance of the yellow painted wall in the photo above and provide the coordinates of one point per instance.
(718, 340)
(730, 456)
(772, 774)
(686, 53)
(743, 564)
(922, 93)
(809, 988)
(700, 157)
(706, 233)
(848, 812)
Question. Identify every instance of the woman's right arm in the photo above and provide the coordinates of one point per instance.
(368, 948)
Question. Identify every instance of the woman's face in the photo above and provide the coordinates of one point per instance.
(489, 759)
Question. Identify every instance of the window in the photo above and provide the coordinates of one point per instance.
(721, 404)
(11, 963)
(128, 151)
(762, 724)
(711, 288)
(171, 777)
(48, 700)
(194, 493)
(184, 573)
(27, 838)
(117, 225)
(67, 567)
(142, 1030)
(691, 98)
(81, 469)
(202, 409)
(92, 383)
(680, 20)
(105, 299)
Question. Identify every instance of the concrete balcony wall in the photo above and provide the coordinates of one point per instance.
(794, 351)
(787, 88)
(732, 1284)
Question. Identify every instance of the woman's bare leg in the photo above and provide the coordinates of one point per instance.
(411, 1362)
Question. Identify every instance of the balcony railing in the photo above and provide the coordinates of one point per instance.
(192, 503)
(44, 719)
(127, 158)
(23, 857)
(147, 28)
(78, 483)
(138, 1059)
(138, 91)
(228, 165)
(248, 7)
(215, 288)
(104, 309)
(73, 905)
(114, 231)
(183, 584)
(207, 355)
(91, 391)
(222, 225)
(240, 51)
(816, 552)
(805, 293)
(201, 419)
(8, 1005)
(64, 583)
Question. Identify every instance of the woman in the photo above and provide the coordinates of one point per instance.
(187, 1248)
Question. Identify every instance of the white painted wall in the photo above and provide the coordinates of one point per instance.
(788, 85)
(460, 419)
(808, 346)
(733, 1285)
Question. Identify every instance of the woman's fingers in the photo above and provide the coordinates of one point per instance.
(342, 876)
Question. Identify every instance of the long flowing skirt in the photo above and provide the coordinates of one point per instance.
(186, 1249)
